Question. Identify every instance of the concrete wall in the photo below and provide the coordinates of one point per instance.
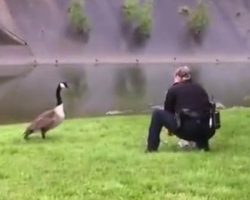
(45, 27)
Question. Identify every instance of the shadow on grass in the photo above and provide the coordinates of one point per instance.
(37, 139)
(215, 147)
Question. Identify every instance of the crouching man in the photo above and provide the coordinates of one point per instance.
(186, 113)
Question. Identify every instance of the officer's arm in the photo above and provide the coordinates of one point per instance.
(169, 103)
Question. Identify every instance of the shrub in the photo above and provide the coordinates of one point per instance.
(130, 9)
(198, 19)
(139, 15)
(77, 17)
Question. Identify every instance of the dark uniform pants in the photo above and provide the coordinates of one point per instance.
(196, 130)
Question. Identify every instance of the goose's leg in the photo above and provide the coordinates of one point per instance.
(27, 133)
(43, 132)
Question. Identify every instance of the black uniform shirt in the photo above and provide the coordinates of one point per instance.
(186, 94)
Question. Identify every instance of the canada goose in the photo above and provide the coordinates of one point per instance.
(49, 119)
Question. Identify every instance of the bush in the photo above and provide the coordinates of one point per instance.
(139, 15)
(77, 17)
(198, 19)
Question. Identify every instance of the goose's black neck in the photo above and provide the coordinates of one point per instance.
(58, 95)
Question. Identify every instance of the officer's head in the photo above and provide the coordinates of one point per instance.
(182, 73)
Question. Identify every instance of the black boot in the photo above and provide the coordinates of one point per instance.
(203, 145)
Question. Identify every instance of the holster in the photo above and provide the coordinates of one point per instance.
(187, 114)
(214, 121)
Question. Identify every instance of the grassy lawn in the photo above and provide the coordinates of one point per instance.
(103, 158)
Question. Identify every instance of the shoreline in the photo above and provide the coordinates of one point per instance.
(126, 60)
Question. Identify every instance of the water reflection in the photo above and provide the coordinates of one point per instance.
(130, 88)
(130, 81)
(95, 90)
(76, 95)
(228, 83)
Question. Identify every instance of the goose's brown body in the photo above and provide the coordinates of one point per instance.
(46, 121)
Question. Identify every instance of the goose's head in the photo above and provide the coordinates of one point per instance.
(63, 85)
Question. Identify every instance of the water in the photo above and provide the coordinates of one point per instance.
(25, 91)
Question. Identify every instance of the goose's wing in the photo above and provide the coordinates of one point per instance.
(45, 119)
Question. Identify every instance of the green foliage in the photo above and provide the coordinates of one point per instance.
(198, 19)
(139, 15)
(77, 17)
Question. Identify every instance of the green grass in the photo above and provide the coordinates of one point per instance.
(104, 159)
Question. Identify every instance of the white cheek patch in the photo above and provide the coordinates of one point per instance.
(62, 85)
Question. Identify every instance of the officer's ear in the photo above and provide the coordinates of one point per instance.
(177, 79)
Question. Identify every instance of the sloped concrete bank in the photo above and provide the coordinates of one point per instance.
(45, 27)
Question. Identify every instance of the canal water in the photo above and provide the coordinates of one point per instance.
(101, 89)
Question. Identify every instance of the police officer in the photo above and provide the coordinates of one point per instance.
(186, 113)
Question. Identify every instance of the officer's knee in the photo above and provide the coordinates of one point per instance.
(156, 113)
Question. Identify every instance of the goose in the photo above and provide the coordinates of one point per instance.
(49, 119)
